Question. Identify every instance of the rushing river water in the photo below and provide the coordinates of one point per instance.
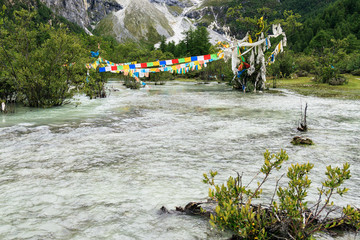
(103, 169)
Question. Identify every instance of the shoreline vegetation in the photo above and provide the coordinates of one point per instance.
(307, 87)
(289, 216)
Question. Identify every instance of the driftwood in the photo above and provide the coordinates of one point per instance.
(193, 208)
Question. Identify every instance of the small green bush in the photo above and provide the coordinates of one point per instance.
(356, 72)
(305, 65)
(132, 83)
(284, 65)
(329, 75)
(288, 216)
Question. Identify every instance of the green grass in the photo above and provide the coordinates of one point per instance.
(176, 9)
(185, 79)
(215, 3)
(305, 86)
(207, 19)
(105, 27)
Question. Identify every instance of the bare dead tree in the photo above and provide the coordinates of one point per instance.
(302, 127)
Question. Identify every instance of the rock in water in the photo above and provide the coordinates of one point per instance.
(302, 141)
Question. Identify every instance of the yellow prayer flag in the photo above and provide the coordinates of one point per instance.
(188, 59)
(250, 40)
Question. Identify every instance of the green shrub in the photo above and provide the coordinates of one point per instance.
(339, 80)
(289, 216)
(284, 65)
(304, 65)
(131, 83)
(95, 86)
(329, 75)
(356, 72)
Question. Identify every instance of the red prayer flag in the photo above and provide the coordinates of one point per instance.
(207, 57)
(174, 61)
(144, 65)
(113, 68)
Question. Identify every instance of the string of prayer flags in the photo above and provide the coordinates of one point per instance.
(169, 62)
(164, 63)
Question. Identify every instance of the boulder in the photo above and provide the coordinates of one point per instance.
(302, 141)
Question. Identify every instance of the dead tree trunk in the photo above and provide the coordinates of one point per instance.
(303, 125)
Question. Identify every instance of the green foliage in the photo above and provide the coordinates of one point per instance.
(216, 71)
(330, 75)
(283, 66)
(95, 85)
(131, 83)
(352, 216)
(336, 21)
(235, 210)
(356, 72)
(289, 216)
(37, 59)
(304, 65)
(196, 43)
(292, 198)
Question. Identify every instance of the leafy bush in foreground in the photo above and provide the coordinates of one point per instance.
(287, 217)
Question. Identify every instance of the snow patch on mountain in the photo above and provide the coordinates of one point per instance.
(137, 20)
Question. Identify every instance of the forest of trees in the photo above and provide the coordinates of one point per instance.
(325, 43)
(42, 56)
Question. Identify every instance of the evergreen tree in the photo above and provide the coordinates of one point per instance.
(163, 46)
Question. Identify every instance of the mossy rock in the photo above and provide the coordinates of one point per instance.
(302, 141)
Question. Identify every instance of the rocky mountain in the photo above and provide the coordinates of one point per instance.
(135, 20)
(83, 12)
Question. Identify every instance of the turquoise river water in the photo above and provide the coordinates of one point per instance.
(102, 169)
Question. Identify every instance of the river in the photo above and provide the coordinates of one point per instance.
(101, 169)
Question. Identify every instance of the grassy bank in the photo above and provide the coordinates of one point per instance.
(305, 86)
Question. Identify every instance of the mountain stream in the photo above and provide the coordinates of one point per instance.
(102, 169)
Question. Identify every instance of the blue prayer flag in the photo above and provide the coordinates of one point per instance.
(94, 54)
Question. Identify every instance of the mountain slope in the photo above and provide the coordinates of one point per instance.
(83, 12)
(147, 20)
(135, 20)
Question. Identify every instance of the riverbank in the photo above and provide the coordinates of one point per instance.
(305, 86)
